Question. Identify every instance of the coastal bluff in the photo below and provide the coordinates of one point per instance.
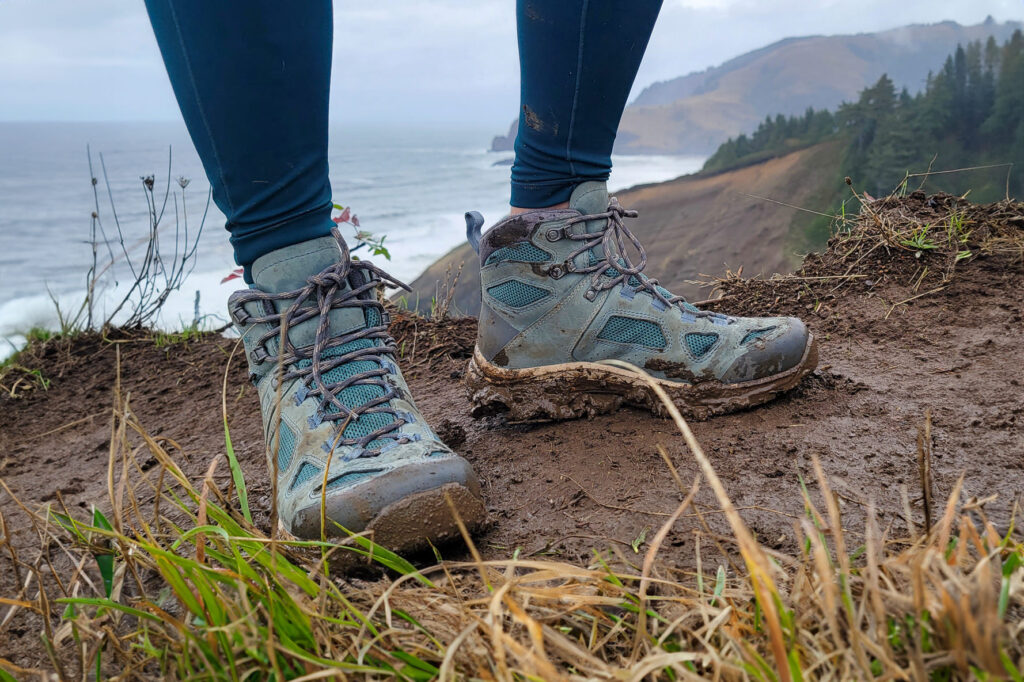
(694, 226)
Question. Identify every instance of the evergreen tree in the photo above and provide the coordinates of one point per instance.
(971, 113)
(1008, 105)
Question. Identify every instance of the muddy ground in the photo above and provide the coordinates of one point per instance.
(566, 489)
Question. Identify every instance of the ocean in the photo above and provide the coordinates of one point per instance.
(410, 185)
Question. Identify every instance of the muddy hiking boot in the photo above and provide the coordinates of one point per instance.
(560, 294)
(342, 426)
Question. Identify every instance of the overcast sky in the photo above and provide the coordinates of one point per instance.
(401, 60)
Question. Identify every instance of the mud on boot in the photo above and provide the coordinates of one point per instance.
(340, 425)
(561, 295)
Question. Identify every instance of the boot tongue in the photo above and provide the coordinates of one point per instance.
(288, 269)
(589, 198)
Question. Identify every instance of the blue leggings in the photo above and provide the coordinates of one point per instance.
(252, 80)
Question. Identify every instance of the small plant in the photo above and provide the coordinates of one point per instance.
(901, 189)
(184, 337)
(38, 335)
(15, 378)
(153, 275)
(956, 230)
(441, 302)
(919, 239)
(364, 239)
(94, 537)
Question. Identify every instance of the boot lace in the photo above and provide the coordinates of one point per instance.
(337, 287)
(616, 267)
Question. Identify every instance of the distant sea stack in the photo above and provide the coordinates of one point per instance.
(506, 143)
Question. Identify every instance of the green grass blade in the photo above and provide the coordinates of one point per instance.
(719, 585)
(795, 670)
(104, 560)
(236, 474)
(387, 558)
(111, 604)
(1011, 669)
(416, 663)
(106, 566)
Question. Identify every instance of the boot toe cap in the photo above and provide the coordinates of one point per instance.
(770, 357)
(357, 506)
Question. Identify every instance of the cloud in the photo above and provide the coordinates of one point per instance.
(400, 60)
(694, 34)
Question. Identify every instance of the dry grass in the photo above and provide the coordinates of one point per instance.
(186, 587)
(915, 242)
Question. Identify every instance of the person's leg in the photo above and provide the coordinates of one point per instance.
(578, 60)
(562, 284)
(252, 78)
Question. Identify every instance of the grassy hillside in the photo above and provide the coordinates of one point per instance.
(695, 113)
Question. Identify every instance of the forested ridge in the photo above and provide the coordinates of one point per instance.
(970, 113)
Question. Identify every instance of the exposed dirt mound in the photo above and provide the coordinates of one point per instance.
(912, 322)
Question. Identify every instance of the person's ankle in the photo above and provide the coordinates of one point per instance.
(516, 210)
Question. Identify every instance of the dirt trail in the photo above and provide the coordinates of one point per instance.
(571, 487)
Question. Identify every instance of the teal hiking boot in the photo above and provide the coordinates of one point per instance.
(341, 428)
(560, 295)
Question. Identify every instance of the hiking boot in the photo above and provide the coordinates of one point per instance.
(341, 429)
(560, 295)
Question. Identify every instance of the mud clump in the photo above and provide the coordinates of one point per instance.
(451, 433)
(673, 370)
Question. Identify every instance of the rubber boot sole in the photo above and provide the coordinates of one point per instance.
(583, 389)
(415, 522)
